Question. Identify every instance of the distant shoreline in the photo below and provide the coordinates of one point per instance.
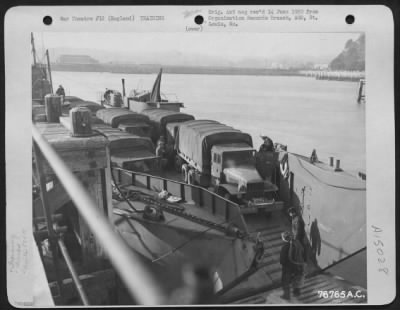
(154, 69)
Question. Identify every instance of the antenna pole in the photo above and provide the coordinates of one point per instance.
(48, 64)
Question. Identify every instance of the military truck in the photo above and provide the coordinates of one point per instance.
(160, 118)
(126, 120)
(163, 123)
(215, 155)
(128, 151)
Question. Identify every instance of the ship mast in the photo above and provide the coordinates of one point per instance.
(49, 69)
(33, 49)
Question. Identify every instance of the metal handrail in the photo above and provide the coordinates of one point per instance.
(232, 204)
(138, 280)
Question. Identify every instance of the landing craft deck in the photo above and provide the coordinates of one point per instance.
(230, 218)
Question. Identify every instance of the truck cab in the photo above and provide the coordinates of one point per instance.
(234, 176)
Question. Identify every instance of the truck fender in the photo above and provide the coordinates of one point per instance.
(184, 172)
(227, 189)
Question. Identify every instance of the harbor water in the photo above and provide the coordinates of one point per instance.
(300, 112)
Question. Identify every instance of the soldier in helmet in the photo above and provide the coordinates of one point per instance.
(60, 91)
(298, 230)
(292, 261)
(313, 157)
(265, 160)
(161, 151)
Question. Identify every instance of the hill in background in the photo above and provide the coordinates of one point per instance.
(352, 57)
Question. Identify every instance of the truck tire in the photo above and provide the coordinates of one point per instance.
(184, 173)
(190, 177)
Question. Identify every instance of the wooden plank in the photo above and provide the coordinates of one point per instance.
(99, 286)
(80, 160)
(57, 197)
(60, 138)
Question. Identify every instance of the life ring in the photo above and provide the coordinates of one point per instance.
(190, 177)
(184, 172)
(284, 167)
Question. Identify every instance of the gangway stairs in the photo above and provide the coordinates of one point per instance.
(319, 288)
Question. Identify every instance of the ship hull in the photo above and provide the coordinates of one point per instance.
(333, 207)
(166, 244)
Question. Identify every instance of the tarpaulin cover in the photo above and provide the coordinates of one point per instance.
(196, 138)
(119, 140)
(92, 106)
(115, 116)
(160, 118)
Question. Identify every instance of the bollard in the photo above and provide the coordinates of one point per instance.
(52, 108)
(81, 125)
(123, 88)
(338, 165)
(331, 161)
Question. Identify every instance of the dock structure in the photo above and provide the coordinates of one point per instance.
(351, 76)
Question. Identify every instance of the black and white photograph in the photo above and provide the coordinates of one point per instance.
(212, 168)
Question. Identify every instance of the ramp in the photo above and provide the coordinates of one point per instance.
(267, 279)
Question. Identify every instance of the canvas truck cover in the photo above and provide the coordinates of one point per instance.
(160, 118)
(115, 116)
(196, 138)
(122, 141)
(172, 129)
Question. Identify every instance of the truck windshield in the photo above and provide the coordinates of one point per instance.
(235, 159)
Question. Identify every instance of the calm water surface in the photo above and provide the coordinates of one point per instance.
(300, 112)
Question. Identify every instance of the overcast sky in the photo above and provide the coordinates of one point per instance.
(231, 46)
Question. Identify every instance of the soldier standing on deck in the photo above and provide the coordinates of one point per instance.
(292, 261)
(60, 91)
(160, 151)
(298, 229)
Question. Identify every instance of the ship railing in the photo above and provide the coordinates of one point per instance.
(135, 275)
(203, 198)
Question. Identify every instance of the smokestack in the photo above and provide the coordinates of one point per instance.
(331, 161)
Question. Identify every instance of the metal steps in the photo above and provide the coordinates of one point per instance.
(319, 289)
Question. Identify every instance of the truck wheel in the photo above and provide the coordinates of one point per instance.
(184, 173)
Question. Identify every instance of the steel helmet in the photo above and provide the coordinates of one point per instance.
(292, 210)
